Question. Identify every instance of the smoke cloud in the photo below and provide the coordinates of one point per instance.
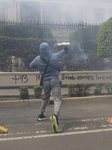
(60, 11)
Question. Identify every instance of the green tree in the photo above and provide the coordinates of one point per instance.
(26, 31)
(87, 37)
(25, 48)
(21, 40)
(105, 39)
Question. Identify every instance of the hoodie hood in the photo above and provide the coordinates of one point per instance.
(45, 50)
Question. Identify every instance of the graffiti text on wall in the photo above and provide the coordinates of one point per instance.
(88, 77)
(22, 78)
(103, 77)
(73, 77)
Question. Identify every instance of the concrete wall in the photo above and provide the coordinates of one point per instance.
(15, 79)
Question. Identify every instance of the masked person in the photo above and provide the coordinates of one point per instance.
(51, 80)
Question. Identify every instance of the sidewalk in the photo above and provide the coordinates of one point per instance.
(10, 97)
(15, 92)
(31, 102)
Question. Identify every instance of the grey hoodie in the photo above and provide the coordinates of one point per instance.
(54, 59)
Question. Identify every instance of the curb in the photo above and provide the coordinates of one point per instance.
(31, 102)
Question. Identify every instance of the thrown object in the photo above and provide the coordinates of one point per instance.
(63, 44)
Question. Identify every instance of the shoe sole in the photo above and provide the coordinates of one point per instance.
(39, 119)
(54, 123)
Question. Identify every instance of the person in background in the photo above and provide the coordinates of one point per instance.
(51, 81)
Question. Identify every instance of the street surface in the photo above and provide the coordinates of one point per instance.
(82, 126)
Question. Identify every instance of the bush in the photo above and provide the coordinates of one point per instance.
(37, 91)
(108, 87)
(71, 89)
(86, 89)
(24, 94)
(78, 89)
(98, 89)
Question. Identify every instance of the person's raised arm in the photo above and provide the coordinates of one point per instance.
(62, 52)
(33, 64)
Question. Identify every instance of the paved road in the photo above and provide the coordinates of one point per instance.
(82, 126)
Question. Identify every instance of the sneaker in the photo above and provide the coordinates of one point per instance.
(41, 117)
(54, 121)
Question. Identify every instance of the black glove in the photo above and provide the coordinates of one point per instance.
(66, 49)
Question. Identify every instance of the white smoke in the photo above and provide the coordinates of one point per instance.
(62, 11)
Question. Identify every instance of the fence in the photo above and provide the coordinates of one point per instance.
(61, 32)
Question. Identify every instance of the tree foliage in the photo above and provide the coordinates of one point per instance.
(24, 48)
(21, 41)
(105, 39)
(85, 55)
(87, 37)
(26, 31)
